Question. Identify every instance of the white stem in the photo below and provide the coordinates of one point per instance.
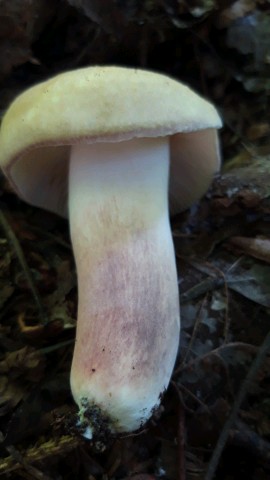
(128, 315)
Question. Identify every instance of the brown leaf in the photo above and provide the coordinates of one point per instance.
(252, 280)
(236, 10)
(10, 394)
(20, 22)
(256, 247)
(26, 363)
(103, 12)
(244, 187)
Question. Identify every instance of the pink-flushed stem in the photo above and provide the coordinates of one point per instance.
(128, 314)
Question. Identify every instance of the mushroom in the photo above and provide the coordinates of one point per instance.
(96, 144)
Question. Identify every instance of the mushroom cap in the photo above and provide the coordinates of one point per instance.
(102, 104)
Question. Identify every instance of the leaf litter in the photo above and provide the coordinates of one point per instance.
(222, 245)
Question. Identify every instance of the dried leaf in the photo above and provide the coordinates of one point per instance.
(20, 22)
(6, 292)
(31, 415)
(10, 394)
(256, 247)
(244, 188)
(105, 13)
(250, 35)
(26, 363)
(235, 11)
(252, 281)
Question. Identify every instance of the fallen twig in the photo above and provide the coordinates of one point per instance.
(257, 362)
(18, 460)
(27, 272)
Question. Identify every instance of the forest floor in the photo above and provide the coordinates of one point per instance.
(215, 417)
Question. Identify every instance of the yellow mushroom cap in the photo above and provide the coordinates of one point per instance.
(105, 104)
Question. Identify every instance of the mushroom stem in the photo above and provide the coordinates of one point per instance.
(128, 314)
